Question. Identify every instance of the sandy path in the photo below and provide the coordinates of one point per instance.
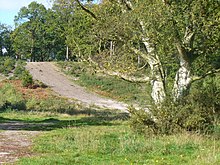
(15, 144)
(48, 73)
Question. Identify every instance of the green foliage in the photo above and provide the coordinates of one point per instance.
(7, 65)
(10, 98)
(19, 69)
(75, 28)
(27, 79)
(10, 66)
(5, 40)
(198, 112)
(38, 38)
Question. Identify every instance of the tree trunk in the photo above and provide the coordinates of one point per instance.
(183, 77)
(158, 89)
(157, 77)
(182, 83)
(67, 53)
(158, 92)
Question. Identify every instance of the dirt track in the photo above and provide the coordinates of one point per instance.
(50, 75)
(15, 144)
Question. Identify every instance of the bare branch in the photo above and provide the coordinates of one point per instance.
(212, 72)
(142, 67)
(126, 77)
(128, 4)
(118, 74)
(86, 10)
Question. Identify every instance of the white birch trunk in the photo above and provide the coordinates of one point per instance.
(158, 90)
(67, 53)
(183, 77)
(182, 82)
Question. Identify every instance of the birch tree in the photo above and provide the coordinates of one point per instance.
(174, 39)
(182, 35)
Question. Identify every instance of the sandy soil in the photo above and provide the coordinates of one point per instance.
(50, 75)
(15, 144)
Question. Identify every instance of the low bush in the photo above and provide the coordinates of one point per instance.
(10, 98)
(27, 79)
(7, 65)
(198, 112)
(19, 69)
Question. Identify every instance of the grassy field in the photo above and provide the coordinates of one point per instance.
(105, 138)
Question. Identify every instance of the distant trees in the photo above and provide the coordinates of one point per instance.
(5, 41)
(76, 27)
(35, 36)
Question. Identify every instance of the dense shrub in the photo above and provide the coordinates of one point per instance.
(27, 79)
(10, 98)
(198, 112)
(7, 65)
(19, 69)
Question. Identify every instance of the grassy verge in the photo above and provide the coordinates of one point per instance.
(107, 139)
(112, 87)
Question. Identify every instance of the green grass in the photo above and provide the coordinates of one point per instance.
(106, 138)
(72, 134)
(113, 87)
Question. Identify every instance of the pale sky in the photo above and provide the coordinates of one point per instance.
(10, 8)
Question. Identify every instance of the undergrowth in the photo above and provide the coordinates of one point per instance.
(197, 112)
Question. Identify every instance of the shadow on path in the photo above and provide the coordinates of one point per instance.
(94, 118)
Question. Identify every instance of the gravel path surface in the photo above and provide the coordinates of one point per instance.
(15, 144)
(50, 75)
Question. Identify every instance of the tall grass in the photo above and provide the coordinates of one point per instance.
(116, 144)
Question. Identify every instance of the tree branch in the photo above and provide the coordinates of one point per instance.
(128, 4)
(188, 37)
(120, 75)
(150, 59)
(86, 10)
(126, 77)
(212, 72)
